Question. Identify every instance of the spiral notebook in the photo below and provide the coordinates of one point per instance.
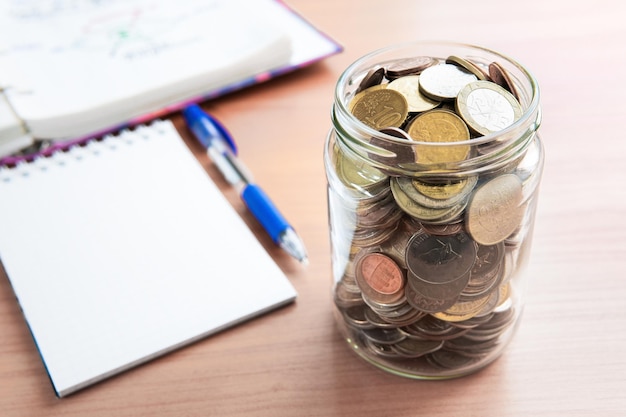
(124, 249)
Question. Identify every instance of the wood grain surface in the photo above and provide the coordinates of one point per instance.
(568, 356)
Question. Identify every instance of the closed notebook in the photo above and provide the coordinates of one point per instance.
(123, 250)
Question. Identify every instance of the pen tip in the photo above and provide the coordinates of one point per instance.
(291, 243)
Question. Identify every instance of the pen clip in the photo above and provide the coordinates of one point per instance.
(211, 126)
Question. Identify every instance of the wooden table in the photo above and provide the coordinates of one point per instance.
(568, 356)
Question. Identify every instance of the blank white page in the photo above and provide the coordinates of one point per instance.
(125, 249)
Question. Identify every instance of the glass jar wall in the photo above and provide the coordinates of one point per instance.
(433, 166)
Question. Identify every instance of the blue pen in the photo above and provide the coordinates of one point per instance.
(223, 152)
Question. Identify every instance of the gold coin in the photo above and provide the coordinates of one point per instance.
(409, 87)
(495, 210)
(380, 108)
(406, 185)
(357, 175)
(439, 126)
(486, 107)
(420, 212)
(463, 310)
(359, 94)
(448, 190)
(504, 292)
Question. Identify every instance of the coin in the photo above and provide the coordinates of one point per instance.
(355, 316)
(420, 212)
(495, 210)
(501, 77)
(488, 259)
(486, 107)
(439, 126)
(379, 349)
(406, 185)
(444, 81)
(378, 321)
(448, 291)
(357, 174)
(400, 152)
(364, 238)
(446, 190)
(468, 65)
(462, 310)
(450, 360)
(346, 298)
(409, 87)
(415, 348)
(426, 304)
(380, 108)
(381, 215)
(373, 77)
(408, 66)
(431, 328)
(379, 277)
(440, 259)
(445, 229)
(384, 336)
(395, 247)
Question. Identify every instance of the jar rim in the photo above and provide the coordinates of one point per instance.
(531, 110)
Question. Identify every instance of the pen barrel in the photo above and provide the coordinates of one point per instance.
(264, 211)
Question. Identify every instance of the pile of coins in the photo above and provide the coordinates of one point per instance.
(429, 260)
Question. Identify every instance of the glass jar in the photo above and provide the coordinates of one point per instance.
(432, 191)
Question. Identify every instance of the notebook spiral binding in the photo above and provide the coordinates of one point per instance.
(63, 153)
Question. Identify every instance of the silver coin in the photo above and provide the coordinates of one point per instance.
(486, 107)
(409, 87)
(440, 259)
(447, 291)
(444, 81)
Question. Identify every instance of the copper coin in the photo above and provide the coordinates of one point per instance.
(373, 77)
(379, 277)
(395, 152)
(501, 77)
(409, 66)
(440, 259)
